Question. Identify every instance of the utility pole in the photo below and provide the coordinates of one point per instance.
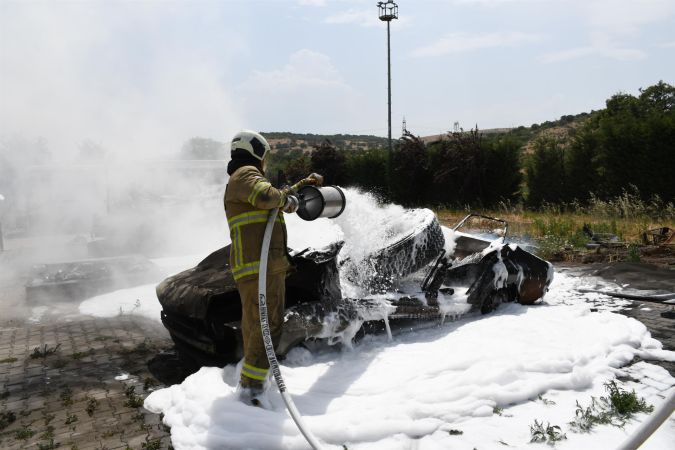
(388, 11)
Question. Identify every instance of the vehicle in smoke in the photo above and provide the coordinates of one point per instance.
(201, 308)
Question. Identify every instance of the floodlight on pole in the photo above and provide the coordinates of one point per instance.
(388, 11)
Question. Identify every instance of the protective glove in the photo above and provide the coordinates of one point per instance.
(315, 179)
(291, 204)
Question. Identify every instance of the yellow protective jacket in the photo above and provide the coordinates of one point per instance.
(249, 197)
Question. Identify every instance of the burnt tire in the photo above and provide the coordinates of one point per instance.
(381, 270)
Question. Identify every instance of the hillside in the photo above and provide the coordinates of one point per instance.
(306, 141)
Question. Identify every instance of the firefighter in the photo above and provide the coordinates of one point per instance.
(248, 199)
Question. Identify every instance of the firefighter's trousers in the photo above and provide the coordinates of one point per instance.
(256, 365)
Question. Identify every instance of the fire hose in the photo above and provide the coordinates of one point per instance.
(267, 337)
(314, 203)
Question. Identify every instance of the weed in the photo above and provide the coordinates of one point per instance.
(24, 433)
(546, 401)
(455, 432)
(50, 445)
(92, 404)
(8, 360)
(133, 400)
(66, 397)
(149, 383)
(6, 419)
(626, 403)
(110, 433)
(616, 409)
(633, 254)
(79, 355)
(48, 434)
(71, 418)
(587, 418)
(44, 351)
(154, 444)
(549, 434)
(497, 410)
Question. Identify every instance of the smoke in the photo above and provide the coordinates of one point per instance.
(96, 98)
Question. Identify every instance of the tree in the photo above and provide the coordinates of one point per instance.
(545, 173)
(410, 171)
(329, 162)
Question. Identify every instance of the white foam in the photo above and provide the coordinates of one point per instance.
(411, 391)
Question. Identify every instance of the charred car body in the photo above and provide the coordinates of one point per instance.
(202, 309)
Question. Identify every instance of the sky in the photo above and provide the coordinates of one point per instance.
(139, 78)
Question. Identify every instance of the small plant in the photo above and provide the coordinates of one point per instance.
(626, 403)
(133, 400)
(633, 254)
(48, 434)
(24, 433)
(546, 401)
(149, 383)
(154, 444)
(8, 360)
(44, 351)
(616, 409)
(71, 418)
(79, 355)
(92, 404)
(549, 434)
(66, 397)
(587, 418)
(50, 445)
(6, 419)
(455, 432)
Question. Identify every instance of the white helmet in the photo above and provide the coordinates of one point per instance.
(252, 142)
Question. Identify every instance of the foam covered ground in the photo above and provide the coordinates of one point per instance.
(410, 392)
(481, 375)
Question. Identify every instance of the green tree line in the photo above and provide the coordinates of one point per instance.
(628, 145)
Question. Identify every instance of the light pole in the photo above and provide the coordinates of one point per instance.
(388, 11)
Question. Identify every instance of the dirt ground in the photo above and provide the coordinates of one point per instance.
(77, 382)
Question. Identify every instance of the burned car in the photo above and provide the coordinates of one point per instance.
(201, 308)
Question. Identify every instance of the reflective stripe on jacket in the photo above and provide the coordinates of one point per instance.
(248, 199)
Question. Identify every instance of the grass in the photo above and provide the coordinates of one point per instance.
(154, 444)
(49, 445)
(24, 433)
(556, 231)
(44, 351)
(92, 405)
(133, 400)
(618, 407)
(149, 383)
(66, 397)
(549, 434)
